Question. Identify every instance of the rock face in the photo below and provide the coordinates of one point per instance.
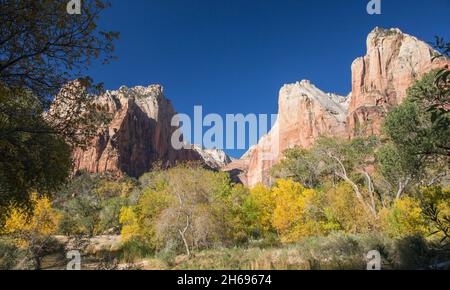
(213, 158)
(138, 137)
(305, 113)
(380, 80)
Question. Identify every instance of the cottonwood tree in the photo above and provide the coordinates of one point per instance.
(192, 217)
(301, 165)
(398, 168)
(333, 160)
(33, 231)
(184, 209)
(352, 161)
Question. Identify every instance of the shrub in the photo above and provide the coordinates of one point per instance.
(91, 204)
(403, 219)
(345, 212)
(135, 249)
(9, 255)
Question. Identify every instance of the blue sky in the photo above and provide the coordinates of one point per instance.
(233, 56)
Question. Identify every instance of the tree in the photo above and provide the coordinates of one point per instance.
(435, 203)
(28, 162)
(42, 47)
(331, 159)
(91, 204)
(33, 231)
(187, 207)
(298, 212)
(410, 125)
(416, 151)
(351, 161)
(301, 165)
(42, 50)
(239, 215)
(403, 219)
(398, 168)
(139, 221)
(259, 206)
(439, 105)
(344, 211)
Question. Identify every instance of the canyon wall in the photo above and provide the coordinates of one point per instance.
(380, 80)
(138, 137)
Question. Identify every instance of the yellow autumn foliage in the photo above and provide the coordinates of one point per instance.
(346, 211)
(264, 203)
(139, 221)
(298, 212)
(129, 221)
(41, 222)
(436, 210)
(403, 218)
(107, 188)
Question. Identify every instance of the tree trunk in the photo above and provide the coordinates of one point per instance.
(37, 262)
(183, 237)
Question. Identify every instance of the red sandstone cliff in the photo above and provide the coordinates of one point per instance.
(139, 136)
(380, 80)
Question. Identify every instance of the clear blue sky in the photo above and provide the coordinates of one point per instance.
(232, 56)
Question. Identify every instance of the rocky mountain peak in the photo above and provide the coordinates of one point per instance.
(214, 158)
(139, 135)
(305, 91)
(380, 79)
(380, 33)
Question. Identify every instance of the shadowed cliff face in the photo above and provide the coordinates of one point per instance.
(139, 136)
(380, 81)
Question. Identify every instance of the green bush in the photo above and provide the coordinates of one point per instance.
(9, 255)
(91, 204)
(135, 249)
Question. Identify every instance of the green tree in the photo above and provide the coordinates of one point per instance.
(301, 165)
(439, 106)
(398, 168)
(28, 162)
(91, 204)
(410, 125)
(417, 150)
(187, 208)
(42, 50)
(42, 47)
(435, 203)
